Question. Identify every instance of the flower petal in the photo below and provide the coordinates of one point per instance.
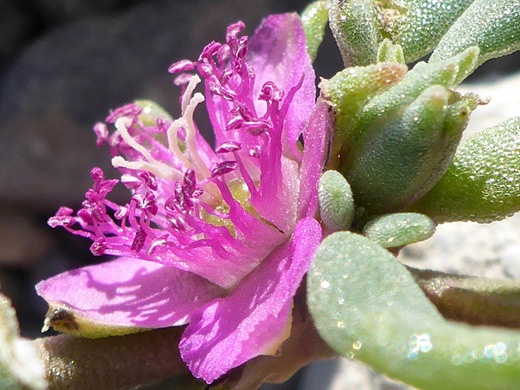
(316, 137)
(278, 53)
(129, 292)
(254, 318)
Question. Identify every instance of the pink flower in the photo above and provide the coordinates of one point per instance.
(218, 239)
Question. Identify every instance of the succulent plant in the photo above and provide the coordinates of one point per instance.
(301, 207)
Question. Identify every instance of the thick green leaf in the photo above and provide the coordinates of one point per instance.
(20, 366)
(314, 18)
(336, 201)
(477, 301)
(366, 305)
(349, 91)
(418, 25)
(399, 229)
(448, 73)
(355, 27)
(393, 162)
(483, 182)
(493, 26)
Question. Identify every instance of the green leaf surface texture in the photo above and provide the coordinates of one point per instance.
(366, 305)
(418, 25)
(315, 18)
(483, 182)
(355, 27)
(399, 229)
(492, 25)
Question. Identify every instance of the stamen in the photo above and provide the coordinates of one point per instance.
(227, 147)
(223, 168)
(158, 169)
(181, 66)
(101, 131)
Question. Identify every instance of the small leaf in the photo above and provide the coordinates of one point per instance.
(476, 301)
(399, 229)
(400, 157)
(483, 182)
(493, 26)
(348, 92)
(448, 73)
(20, 366)
(314, 18)
(336, 201)
(418, 25)
(388, 52)
(366, 305)
(356, 29)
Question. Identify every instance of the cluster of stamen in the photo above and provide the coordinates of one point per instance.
(175, 186)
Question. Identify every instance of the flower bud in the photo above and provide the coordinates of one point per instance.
(402, 156)
(395, 139)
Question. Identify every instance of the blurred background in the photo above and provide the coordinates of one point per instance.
(63, 65)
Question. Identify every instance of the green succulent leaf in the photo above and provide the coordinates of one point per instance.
(399, 229)
(349, 91)
(20, 366)
(366, 305)
(355, 27)
(315, 18)
(389, 52)
(493, 26)
(483, 182)
(336, 201)
(397, 160)
(418, 25)
(476, 301)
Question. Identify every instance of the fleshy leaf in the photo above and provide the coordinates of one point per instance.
(389, 52)
(336, 201)
(123, 296)
(399, 229)
(348, 92)
(356, 29)
(418, 25)
(355, 115)
(448, 73)
(366, 305)
(476, 301)
(20, 366)
(314, 18)
(395, 161)
(493, 26)
(483, 182)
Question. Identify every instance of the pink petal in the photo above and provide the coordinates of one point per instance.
(316, 138)
(130, 293)
(253, 319)
(278, 53)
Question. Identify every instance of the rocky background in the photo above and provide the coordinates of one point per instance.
(65, 63)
